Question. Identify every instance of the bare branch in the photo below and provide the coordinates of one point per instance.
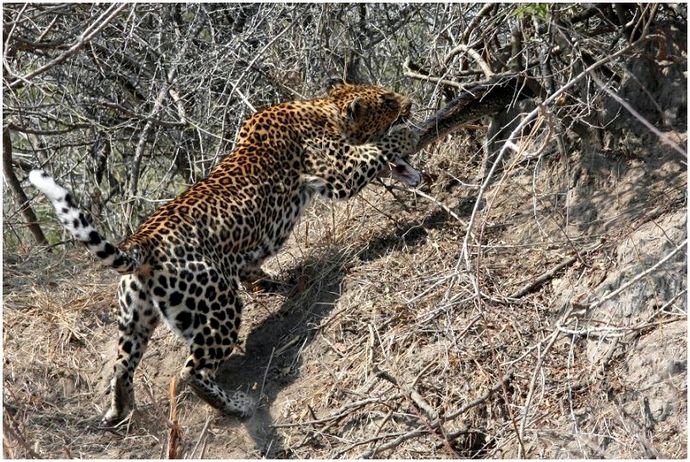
(82, 40)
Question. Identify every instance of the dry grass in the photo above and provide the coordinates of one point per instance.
(382, 350)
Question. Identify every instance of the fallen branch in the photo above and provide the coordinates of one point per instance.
(476, 101)
(444, 207)
(409, 71)
(509, 144)
(201, 441)
(541, 279)
(662, 136)
(11, 434)
(472, 53)
(345, 410)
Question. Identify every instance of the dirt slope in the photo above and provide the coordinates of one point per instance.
(382, 334)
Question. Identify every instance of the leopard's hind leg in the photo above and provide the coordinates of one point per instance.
(256, 279)
(205, 309)
(137, 320)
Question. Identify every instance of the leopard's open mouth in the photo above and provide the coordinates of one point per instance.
(402, 118)
(400, 170)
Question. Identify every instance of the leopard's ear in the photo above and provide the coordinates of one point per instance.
(333, 82)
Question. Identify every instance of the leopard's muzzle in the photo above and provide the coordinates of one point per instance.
(400, 170)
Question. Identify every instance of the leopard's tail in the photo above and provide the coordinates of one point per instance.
(76, 223)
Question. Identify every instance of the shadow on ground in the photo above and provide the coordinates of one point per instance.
(296, 323)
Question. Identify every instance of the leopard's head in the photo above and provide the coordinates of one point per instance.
(368, 111)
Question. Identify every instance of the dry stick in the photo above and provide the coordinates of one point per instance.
(433, 416)
(7, 41)
(385, 420)
(268, 366)
(614, 332)
(667, 304)
(431, 199)
(479, 400)
(486, 69)
(454, 435)
(389, 189)
(412, 393)
(511, 414)
(543, 278)
(83, 39)
(408, 72)
(489, 203)
(345, 410)
(396, 442)
(18, 192)
(422, 404)
(174, 433)
(552, 338)
(8, 431)
(509, 144)
(639, 276)
(147, 382)
(424, 429)
(440, 431)
(476, 101)
(158, 103)
(532, 385)
(470, 27)
(202, 435)
(251, 63)
(374, 438)
(47, 29)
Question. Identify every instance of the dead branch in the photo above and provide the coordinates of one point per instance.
(12, 434)
(662, 136)
(650, 270)
(432, 199)
(476, 101)
(345, 410)
(472, 53)
(83, 39)
(542, 278)
(162, 94)
(409, 71)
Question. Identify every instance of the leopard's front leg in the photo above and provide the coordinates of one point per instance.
(356, 166)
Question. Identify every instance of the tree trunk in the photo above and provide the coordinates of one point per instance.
(17, 190)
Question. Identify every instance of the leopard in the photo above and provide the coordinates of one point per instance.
(187, 262)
